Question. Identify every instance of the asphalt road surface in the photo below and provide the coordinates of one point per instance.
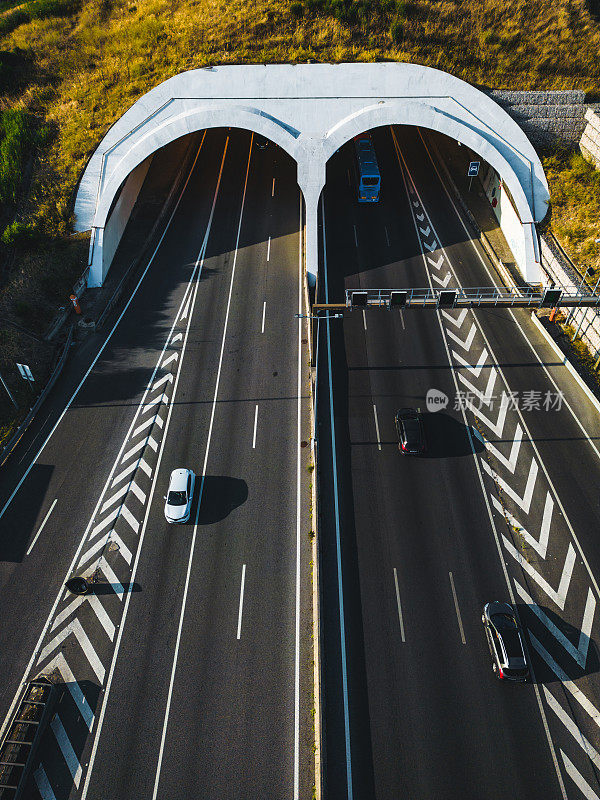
(188, 673)
(502, 506)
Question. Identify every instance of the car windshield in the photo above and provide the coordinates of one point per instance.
(504, 622)
(177, 498)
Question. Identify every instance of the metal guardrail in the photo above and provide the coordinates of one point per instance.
(458, 297)
(23, 735)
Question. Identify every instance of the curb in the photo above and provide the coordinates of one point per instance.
(16, 438)
(566, 362)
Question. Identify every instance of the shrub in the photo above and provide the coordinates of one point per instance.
(15, 127)
(397, 31)
(297, 10)
(17, 234)
(42, 9)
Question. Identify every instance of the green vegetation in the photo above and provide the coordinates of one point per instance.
(575, 193)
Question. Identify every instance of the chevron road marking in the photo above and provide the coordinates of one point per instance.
(137, 492)
(436, 265)
(421, 218)
(113, 536)
(140, 446)
(110, 576)
(425, 232)
(43, 784)
(161, 398)
(496, 427)
(578, 778)
(147, 424)
(168, 378)
(415, 203)
(511, 462)
(539, 545)
(458, 321)
(128, 487)
(129, 518)
(75, 627)
(97, 608)
(131, 468)
(431, 247)
(568, 684)
(474, 369)
(558, 596)
(105, 523)
(172, 357)
(177, 338)
(59, 662)
(466, 344)
(66, 749)
(444, 282)
(572, 727)
(579, 653)
(186, 310)
(484, 397)
(525, 501)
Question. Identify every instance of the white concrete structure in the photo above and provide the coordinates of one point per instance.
(310, 110)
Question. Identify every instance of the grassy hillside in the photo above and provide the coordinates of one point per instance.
(69, 68)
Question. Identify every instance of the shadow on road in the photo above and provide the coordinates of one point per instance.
(447, 437)
(220, 496)
(18, 527)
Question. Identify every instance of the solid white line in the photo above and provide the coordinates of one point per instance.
(66, 749)
(387, 238)
(355, 236)
(298, 519)
(578, 779)
(364, 319)
(262, 329)
(273, 188)
(255, 422)
(460, 625)
(399, 606)
(198, 266)
(402, 320)
(377, 426)
(108, 338)
(239, 628)
(41, 528)
(195, 533)
(338, 543)
(269, 249)
(482, 485)
(43, 784)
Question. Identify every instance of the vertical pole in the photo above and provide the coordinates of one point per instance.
(14, 402)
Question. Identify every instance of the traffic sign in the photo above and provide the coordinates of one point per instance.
(25, 372)
(473, 169)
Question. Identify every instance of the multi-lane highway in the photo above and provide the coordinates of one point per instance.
(187, 673)
(501, 507)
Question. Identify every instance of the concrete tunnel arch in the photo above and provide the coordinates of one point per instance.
(306, 110)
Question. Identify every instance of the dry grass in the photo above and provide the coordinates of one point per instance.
(575, 192)
(77, 74)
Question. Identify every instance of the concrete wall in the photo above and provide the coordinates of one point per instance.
(564, 273)
(590, 139)
(548, 118)
(117, 221)
(507, 217)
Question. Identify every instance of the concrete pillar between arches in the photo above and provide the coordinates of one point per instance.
(311, 205)
(96, 259)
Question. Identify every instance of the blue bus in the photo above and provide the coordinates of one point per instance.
(369, 179)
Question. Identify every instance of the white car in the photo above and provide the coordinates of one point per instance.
(178, 504)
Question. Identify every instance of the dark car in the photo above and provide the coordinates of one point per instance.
(260, 141)
(505, 641)
(411, 438)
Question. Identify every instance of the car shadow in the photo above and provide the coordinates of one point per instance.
(220, 496)
(556, 636)
(447, 437)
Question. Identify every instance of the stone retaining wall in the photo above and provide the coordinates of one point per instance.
(590, 139)
(548, 118)
(563, 272)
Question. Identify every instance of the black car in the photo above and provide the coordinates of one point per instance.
(505, 641)
(409, 426)
(260, 141)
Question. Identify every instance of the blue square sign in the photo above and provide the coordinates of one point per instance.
(473, 169)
